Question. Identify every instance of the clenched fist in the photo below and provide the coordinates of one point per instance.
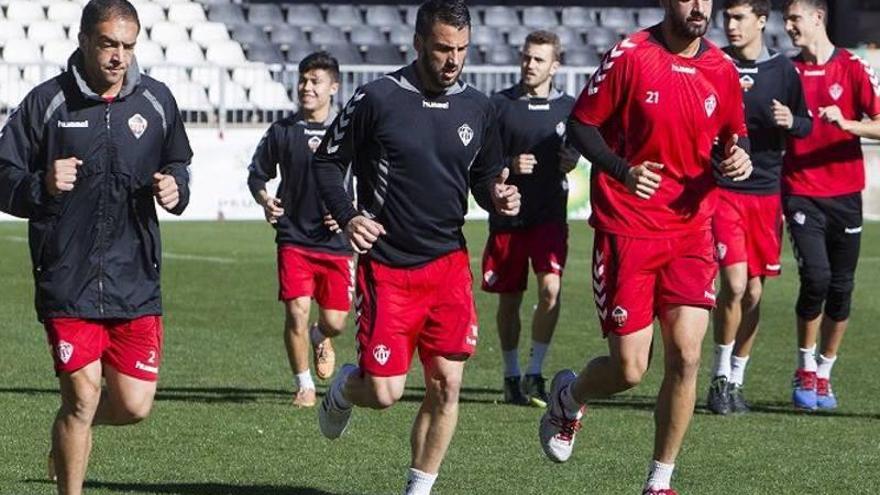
(61, 176)
(165, 190)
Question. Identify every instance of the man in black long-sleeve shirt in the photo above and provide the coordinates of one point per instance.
(417, 140)
(748, 222)
(313, 261)
(531, 118)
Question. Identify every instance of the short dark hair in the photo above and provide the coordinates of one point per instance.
(98, 11)
(816, 4)
(544, 38)
(761, 8)
(320, 60)
(452, 12)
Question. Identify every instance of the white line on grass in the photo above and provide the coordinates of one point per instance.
(15, 238)
(196, 257)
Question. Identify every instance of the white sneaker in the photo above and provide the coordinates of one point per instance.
(557, 431)
(331, 419)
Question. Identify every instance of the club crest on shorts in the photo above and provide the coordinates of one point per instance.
(710, 105)
(471, 339)
(138, 125)
(466, 134)
(799, 218)
(619, 315)
(64, 351)
(490, 277)
(836, 91)
(381, 353)
(722, 250)
(314, 142)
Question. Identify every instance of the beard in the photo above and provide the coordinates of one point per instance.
(435, 73)
(686, 30)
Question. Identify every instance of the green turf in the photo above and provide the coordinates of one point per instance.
(223, 423)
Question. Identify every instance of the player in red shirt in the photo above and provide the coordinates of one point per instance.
(822, 182)
(647, 121)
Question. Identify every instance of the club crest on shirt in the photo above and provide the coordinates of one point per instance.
(138, 125)
(799, 218)
(746, 82)
(381, 353)
(314, 142)
(560, 129)
(64, 351)
(466, 134)
(836, 91)
(710, 105)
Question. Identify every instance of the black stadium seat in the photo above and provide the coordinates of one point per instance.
(345, 54)
(581, 57)
(304, 15)
(502, 17)
(227, 13)
(383, 55)
(367, 36)
(502, 55)
(539, 17)
(265, 53)
(383, 16)
(265, 14)
(400, 35)
(249, 34)
(287, 35)
(344, 16)
(299, 51)
(578, 17)
(328, 35)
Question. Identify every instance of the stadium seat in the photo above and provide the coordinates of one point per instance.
(327, 35)
(73, 33)
(10, 30)
(227, 13)
(411, 12)
(385, 16)
(235, 96)
(484, 36)
(190, 97)
(343, 16)
(516, 36)
(602, 38)
(581, 57)
(149, 53)
(25, 11)
(45, 31)
(168, 33)
(57, 52)
(345, 54)
(402, 35)
(299, 51)
(22, 51)
(474, 57)
(619, 19)
(383, 55)
(186, 14)
(13, 91)
(367, 36)
(249, 34)
(250, 75)
(67, 13)
(304, 15)
(568, 37)
(168, 3)
(578, 17)
(501, 17)
(205, 33)
(169, 75)
(185, 53)
(539, 17)
(39, 73)
(225, 53)
(270, 95)
(649, 17)
(775, 24)
(717, 36)
(502, 55)
(214, 2)
(284, 34)
(209, 75)
(149, 14)
(410, 54)
(265, 14)
(268, 54)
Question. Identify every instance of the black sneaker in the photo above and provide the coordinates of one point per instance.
(513, 393)
(533, 389)
(738, 404)
(718, 400)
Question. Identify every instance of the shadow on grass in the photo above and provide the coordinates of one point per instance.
(198, 488)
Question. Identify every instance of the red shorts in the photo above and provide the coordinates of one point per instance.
(132, 347)
(507, 254)
(430, 307)
(635, 278)
(748, 229)
(307, 273)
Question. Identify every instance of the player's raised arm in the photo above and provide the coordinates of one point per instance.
(22, 191)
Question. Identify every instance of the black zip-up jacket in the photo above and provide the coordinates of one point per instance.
(95, 250)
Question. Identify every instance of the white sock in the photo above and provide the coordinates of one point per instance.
(807, 358)
(659, 476)
(511, 363)
(738, 369)
(419, 482)
(571, 407)
(316, 335)
(336, 393)
(536, 357)
(823, 370)
(304, 380)
(722, 360)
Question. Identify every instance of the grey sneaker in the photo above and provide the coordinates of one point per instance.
(533, 389)
(513, 391)
(738, 404)
(332, 419)
(718, 400)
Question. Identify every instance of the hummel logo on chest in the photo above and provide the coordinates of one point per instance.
(315, 132)
(75, 124)
(683, 69)
(435, 105)
(539, 106)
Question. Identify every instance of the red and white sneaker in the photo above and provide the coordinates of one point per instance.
(659, 491)
(557, 431)
(825, 398)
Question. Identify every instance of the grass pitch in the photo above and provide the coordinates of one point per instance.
(223, 423)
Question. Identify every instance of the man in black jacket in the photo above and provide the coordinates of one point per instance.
(83, 158)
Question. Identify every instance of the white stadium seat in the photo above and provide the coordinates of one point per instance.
(190, 96)
(149, 53)
(251, 75)
(22, 51)
(169, 3)
(73, 32)
(226, 53)
(67, 13)
(186, 14)
(25, 11)
(185, 53)
(168, 33)
(169, 75)
(205, 33)
(149, 14)
(36, 74)
(208, 76)
(13, 91)
(58, 51)
(10, 30)
(236, 97)
(270, 95)
(45, 31)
